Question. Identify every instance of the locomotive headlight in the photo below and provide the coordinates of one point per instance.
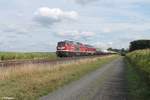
(61, 48)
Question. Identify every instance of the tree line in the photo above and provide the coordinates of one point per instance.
(139, 44)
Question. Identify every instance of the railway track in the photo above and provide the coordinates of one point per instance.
(13, 63)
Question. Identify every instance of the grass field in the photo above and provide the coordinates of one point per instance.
(138, 74)
(24, 56)
(31, 82)
(141, 59)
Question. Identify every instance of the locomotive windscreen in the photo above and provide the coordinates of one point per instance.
(61, 44)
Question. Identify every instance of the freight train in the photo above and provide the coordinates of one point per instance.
(70, 48)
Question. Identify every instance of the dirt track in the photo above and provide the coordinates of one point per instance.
(106, 83)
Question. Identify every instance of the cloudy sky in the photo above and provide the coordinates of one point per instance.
(37, 25)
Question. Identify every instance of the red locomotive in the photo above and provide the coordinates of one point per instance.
(71, 48)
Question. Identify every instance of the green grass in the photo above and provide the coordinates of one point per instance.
(23, 56)
(138, 74)
(141, 60)
(32, 82)
(138, 89)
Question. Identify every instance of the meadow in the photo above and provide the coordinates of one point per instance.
(26, 55)
(138, 74)
(141, 59)
(29, 82)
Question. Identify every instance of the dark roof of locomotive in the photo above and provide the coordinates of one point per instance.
(76, 43)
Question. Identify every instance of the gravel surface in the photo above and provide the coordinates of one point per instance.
(106, 83)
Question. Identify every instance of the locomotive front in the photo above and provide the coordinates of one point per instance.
(65, 49)
(61, 49)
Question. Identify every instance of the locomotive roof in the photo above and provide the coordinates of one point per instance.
(77, 43)
(67, 41)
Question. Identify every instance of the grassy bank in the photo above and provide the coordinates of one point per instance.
(138, 89)
(24, 56)
(31, 82)
(141, 61)
(138, 74)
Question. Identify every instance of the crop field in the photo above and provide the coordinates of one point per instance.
(24, 56)
(138, 74)
(33, 81)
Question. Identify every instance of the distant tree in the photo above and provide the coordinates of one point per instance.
(110, 49)
(139, 44)
(122, 49)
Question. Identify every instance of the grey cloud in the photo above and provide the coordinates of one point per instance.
(83, 2)
(14, 30)
(47, 16)
(45, 21)
(113, 3)
(8, 29)
(76, 34)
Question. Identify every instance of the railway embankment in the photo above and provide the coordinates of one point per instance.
(13, 59)
(138, 74)
(30, 82)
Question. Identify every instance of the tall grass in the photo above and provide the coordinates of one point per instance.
(32, 81)
(138, 74)
(141, 59)
(24, 56)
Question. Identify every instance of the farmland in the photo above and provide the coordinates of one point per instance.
(138, 74)
(26, 56)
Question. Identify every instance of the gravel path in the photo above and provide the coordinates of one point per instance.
(106, 83)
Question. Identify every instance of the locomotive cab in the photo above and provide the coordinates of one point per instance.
(61, 46)
(61, 49)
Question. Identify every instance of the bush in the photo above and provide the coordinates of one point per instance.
(139, 44)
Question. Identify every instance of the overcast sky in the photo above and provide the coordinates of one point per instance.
(37, 25)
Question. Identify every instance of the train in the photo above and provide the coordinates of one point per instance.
(68, 48)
